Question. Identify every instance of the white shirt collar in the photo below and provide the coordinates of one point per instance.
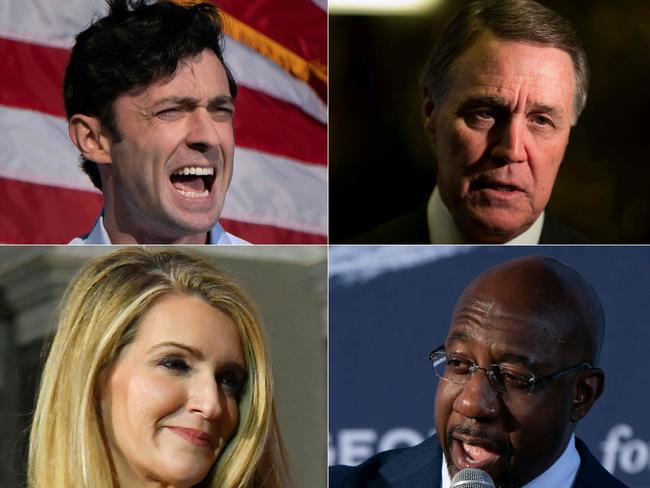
(443, 230)
(98, 235)
(561, 474)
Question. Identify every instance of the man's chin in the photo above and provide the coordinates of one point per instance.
(183, 224)
(192, 218)
(493, 225)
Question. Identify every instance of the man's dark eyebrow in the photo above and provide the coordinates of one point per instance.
(190, 102)
(546, 109)
(510, 357)
(506, 357)
(483, 101)
(458, 336)
(183, 101)
(220, 101)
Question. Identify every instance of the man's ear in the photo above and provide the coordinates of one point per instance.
(427, 112)
(87, 134)
(587, 389)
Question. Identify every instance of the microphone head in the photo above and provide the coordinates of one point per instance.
(472, 478)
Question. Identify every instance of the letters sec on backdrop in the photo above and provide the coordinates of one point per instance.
(621, 450)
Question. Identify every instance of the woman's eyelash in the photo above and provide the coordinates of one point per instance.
(174, 363)
(232, 382)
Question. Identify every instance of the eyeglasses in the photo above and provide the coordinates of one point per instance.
(457, 368)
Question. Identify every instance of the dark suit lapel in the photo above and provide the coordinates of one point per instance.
(591, 473)
(555, 232)
(416, 467)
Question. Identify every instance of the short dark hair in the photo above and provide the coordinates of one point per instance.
(134, 45)
(519, 20)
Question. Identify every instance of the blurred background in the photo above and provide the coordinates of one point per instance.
(389, 306)
(288, 286)
(382, 165)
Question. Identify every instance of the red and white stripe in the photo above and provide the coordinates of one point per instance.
(279, 188)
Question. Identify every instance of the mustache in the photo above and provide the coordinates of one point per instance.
(490, 441)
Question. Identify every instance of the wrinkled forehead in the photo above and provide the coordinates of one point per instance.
(510, 68)
(200, 76)
(532, 332)
(528, 305)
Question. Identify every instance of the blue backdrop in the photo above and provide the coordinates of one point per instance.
(389, 306)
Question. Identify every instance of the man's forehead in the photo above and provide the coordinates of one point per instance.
(510, 331)
(506, 312)
(503, 68)
(536, 295)
(200, 77)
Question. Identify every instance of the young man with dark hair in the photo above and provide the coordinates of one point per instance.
(150, 106)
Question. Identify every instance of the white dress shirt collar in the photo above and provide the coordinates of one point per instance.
(561, 474)
(443, 230)
(98, 235)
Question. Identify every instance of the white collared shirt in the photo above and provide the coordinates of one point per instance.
(561, 474)
(443, 230)
(98, 235)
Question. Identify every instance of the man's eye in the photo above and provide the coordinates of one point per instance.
(169, 113)
(458, 365)
(541, 120)
(516, 380)
(484, 114)
(481, 118)
(175, 364)
(225, 112)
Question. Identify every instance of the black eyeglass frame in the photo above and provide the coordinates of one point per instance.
(533, 381)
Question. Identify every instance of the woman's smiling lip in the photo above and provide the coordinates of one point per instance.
(194, 436)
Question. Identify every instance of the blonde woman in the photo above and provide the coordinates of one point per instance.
(158, 375)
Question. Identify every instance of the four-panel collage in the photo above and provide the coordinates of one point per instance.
(324, 244)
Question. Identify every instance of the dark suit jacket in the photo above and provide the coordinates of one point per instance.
(412, 228)
(419, 467)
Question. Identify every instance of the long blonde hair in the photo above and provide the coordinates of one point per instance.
(99, 315)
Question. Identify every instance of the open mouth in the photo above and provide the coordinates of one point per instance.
(475, 453)
(193, 181)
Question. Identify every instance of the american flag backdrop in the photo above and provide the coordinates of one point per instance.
(277, 50)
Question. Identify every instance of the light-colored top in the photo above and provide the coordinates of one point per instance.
(443, 230)
(561, 474)
(98, 235)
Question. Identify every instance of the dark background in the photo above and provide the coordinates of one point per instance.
(383, 327)
(382, 165)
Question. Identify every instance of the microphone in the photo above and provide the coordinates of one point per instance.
(472, 478)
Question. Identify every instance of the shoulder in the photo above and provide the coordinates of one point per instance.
(417, 466)
(408, 228)
(591, 472)
(555, 231)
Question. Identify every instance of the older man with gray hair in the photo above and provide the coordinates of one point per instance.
(501, 91)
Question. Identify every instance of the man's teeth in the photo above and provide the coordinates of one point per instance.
(479, 454)
(193, 194)
(194, 170)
